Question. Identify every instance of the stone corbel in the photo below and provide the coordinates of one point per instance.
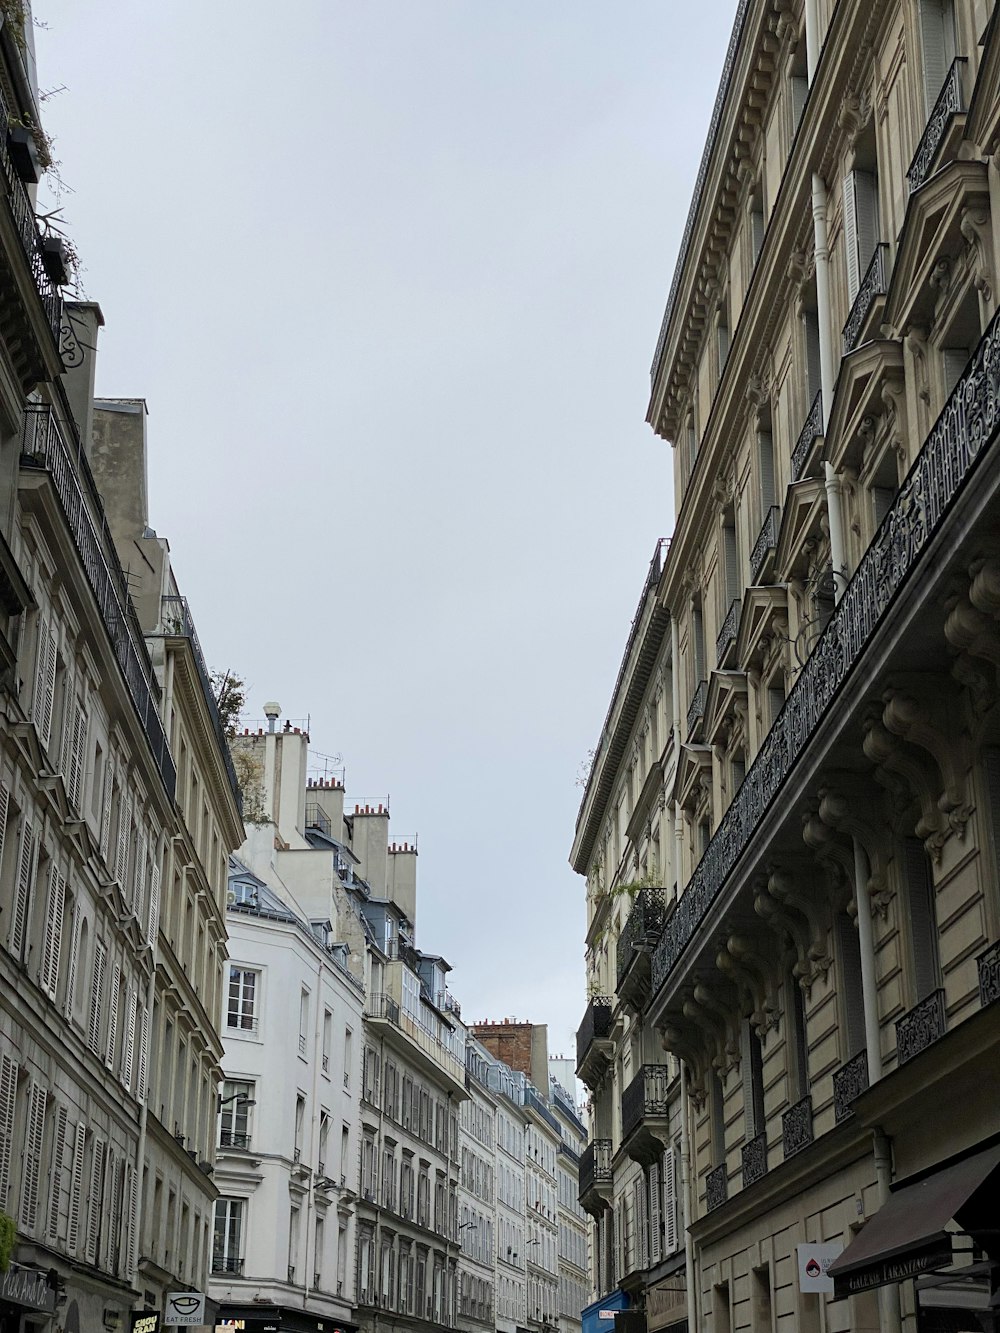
(845, 813)
(984, 589)
(788, 926)
(715, 1034)
(783, 887)
(915, 342)
(923, 719)
(975, 228)
(745, 962)
(904, 771)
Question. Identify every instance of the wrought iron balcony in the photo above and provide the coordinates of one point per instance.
(45, 445)
(949, 103)
(963, 433)
(596, 1176)
(727, 635)
(231, 1138)
(227, 1263)
(797, 1127)
(593, 1044)
(382, 1008)
(989, 975)
(849, 1082)
(645, 1109)
(812, 430)
(767, 540)
(716, 1187)
(921, 1027)
(754, 1160)
(536, 1103)
(636, 942)
(873, 285)
(696, 708)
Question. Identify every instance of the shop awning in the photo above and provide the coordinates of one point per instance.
(908, 1234)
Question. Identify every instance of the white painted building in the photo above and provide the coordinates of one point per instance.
(511, 1276)
(477, 1196)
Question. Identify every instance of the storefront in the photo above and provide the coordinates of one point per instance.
(277, 1319)
(27, 1300)
(666, 1305)
(600, 1317)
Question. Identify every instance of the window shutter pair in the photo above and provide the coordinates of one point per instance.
(27, 867)
(96, 1200)
(32, 1166)
(124, 836)
(97, 995)
(74, 750)
(48, 975)
(43, 696)
(116, 983)
(128, 1051)
(8, 1094)
(669, 1203)
(74, 959)
(56, 1177)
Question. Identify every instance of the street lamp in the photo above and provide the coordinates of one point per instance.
(240, 1097)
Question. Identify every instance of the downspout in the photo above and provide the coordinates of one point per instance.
(689, 1283)
(888, 1297)
(675, 705)
(812, 38)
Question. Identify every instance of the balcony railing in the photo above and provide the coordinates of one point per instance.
(226, 1263)
(595, 1165)
(873, 284)
(540, 1107)
(797, 1127)
(175, 617)
(44, 445)
(642, 928)
(27, 230)
(921, 1027)
(810, 432)
(727, 635)
(767, 540)
(645, 1098)
(989, 975)
(716, 1187)
(596, 1026)
(754, 1161)
(232, 1138)
(949, 103)
(849, 1082)
(959, 438)
(385, 1007)
(696, 708)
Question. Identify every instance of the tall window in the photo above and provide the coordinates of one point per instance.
(937, 45)
(922, 918)
(234, 1114)
(852, 1006)
(765, 468)
(227, 1240)
(861, 224)
(242, 1012)
(303, 1020)
(753, 1082)
(798, 1066)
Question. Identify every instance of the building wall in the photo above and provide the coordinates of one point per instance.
(477, 1206)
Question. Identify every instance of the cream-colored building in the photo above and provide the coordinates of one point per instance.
(828, 374)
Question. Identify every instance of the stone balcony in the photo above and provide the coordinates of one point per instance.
(596, 1177)
(594, 1044)
(646, 1114)
(636, 942)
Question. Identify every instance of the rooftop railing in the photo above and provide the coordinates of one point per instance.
(385, 1007)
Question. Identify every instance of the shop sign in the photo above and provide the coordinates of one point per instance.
(184, 1307)
(666, 1303)
(897, 1269)
(27, 1287)
(144, 1321)
(814, 1262)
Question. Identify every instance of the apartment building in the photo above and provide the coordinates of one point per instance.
(825, 971)
(477, 1195)
(574, 1289)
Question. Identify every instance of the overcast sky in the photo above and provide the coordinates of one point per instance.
(389, 274)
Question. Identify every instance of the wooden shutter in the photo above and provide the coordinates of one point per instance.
(4, 807)
(128, 1036)
(937, 46)
(655, 1215)
(860, 225)
(97, 995)
(74, 959)
(52, 943)
(26, 868)
(153, 920)
(130, 1211)
(76, 1187)
(34, 1135)
(139, 873)
(923, 921)
(669, 1203)
(112, 1209)
(765, 456)
(140, 1083)
(109, 787)
(78, 754)
(55, 1178)
(43, 696)
(124, 833)
(8, 1094)
(116, 983)
(96, 1201)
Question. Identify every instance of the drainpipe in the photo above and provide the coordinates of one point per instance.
(675, 706)
(869, 978)
(888, 1296)
(812, 38)
(821, 247)
(689, 1284)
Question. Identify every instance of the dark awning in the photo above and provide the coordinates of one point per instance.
(908, 1233)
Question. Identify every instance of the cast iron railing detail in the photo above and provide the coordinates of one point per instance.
(961, 434)
(595, 1165)
(727, 635)
(226, 1263)
(811, 431)
(175, 616)
(645, 1097)
(532, 1099)
(849, 1082)
(44, 445)
(921, 1027)
(696, 708)
(716, 1187)
(873, 284)
(989, 975)
(27, 230)
(642, 928)
(231, 1138)
(767, 540)
(754, 1159)
(596, 1026)
(797, 1127)
(949, 102)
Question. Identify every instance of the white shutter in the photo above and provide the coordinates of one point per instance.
(113, 1210)
(97, 995)
(655, 1215)
(140, 1082)
(765, 457)
(76, 1187)
(109, 787)
(130, 1210)
(26, 868)
(48, 975)
(937, 45)
(55, 1178)
(96, 1190)
(129, 1037)
(124, 832)
(860, 226)
(78, 753)
(4, 806)
(851, 237)
(669, 1204)
(8, 1093)
(116, 983)
(74, 960)
(153, 921)
(34, 1134)
(139, 874)
(43, 696)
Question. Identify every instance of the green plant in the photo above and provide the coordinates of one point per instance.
(230, 699)
(8, 1237)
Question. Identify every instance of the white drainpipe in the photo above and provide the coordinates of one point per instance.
(838, 548)
(888, 1296)
(812, 38)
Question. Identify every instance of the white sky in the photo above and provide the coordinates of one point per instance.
(389, 274)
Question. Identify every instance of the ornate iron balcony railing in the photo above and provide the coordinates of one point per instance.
(596, 1026)
(727, 635)
(949, 102)
(643, 927)
(921, 1027)
(767, 540)
(44, 445)
(696, 708)
(645, 1097)
(539, 1106)
(989, 975)
(873, 284)
(716, 1187)
(797, 1127)
(226, 1263)
(849, 1082)
(754, 1161)
(231, 1138)
(961, 435)
(595, 1165)
(812, 430)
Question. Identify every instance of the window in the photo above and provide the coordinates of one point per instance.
(234, 1114)
(853, 1017)
(327, 1039)
(861, 229)
(242, 1013)
(937, 45)
(753, 1082)
(348, 1056)
(300, 1120)
(765, 466)
(798, 1071)
(922, 918)
(227, 1240)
